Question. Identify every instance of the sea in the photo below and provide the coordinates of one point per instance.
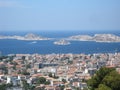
(11, 46)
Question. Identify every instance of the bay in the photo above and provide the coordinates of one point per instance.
(47, 47)
(8, 46)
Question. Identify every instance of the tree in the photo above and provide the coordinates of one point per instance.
(47, 83)
(70, 62)
(55, 77)
(62, 87)
(25, 85)
(3, 87)
(105, 79)
(28, 66)
(9, 85)
(50, 75)
(41, 80)
(102, 73)
(112, 80)
(32, 87)
(5, 69)
(24, 72)
(103, 87)
(98, 77)
(3, 57)
(92, 83)
(64, 80)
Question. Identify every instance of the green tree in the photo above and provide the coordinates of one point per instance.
(5, 70)
(64, 80)
(47, 83)
(50, 75)
(3, 57)
(105, 79)
(112, 80)
(62, 87)
(9, 85)
(24, 72)
(25, 85)
(70, 62)
(32, 87)
(41, 80)
(55, 77)
(98, 77)
(28, 66)
(3, 87)
(103, 87)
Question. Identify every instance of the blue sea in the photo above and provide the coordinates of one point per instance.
(8, 46)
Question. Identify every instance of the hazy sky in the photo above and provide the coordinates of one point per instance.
(59, 15)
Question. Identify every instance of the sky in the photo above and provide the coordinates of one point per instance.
(25, 15)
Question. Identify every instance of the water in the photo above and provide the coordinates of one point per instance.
(59, 34)
(47, 47)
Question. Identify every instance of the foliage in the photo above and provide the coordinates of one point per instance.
(5, 69)
(9, 85)
(55, 77)
(39, 88)
(112, 80)
(105, 79)
(70, 62)
(50, 75)
(3, 57)
(47, 83)
(14, 67)
(3, 87)
(28, 66)
(32, 87)
(24, 72)
(62, 87)
(103, 87)
(25, 85)
(42, 80)
(13, 63)
(64, 80)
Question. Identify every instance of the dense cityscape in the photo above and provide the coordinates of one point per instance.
(59, 44)
(53, 71)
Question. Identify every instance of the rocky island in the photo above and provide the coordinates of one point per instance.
(62, 42)
(29, 36)
(106, 38)
(81, 38)
(96, 38)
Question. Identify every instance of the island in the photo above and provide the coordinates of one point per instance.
(80, 38)
(106, 38)
(96, 38)
(62, 42)
(29, 36)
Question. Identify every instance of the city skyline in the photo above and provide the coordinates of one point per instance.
(59, 15)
